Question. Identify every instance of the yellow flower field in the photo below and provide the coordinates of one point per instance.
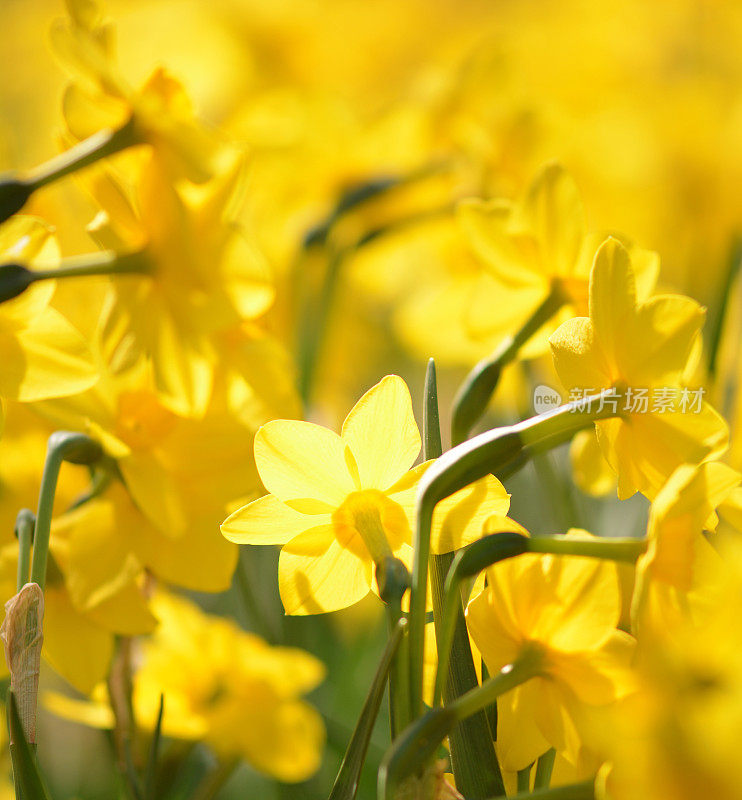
(371, 399)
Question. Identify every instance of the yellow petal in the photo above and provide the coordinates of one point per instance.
(460, 519)
(590, 471)
(316, 574)
(553, 210)
(612, 297)
(286, 742)
(382, 434)
(519, 740)
(268, 521)
(48, 358)
(511, 257)
(78, 649)
(304, 465)
(578, 360)
(656, 347)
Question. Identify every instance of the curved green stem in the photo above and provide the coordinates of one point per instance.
(25, 523)
(15, 191)
(500, 451)
(419, 742)
(63, 446)
(544, 768)
(480, 384)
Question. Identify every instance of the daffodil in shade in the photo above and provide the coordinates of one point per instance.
(159, 113)
(562, 611)
(203, 278)
(533, 249)
(639, 347)
(681, 515)
(244, 700)
(43, 355)
(339, 503)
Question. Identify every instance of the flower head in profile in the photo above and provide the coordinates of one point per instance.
(340, 503)
(678, 550)
(632, 347)
(565, 609)
(535, 247)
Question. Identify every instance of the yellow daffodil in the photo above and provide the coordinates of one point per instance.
(203, 278)
(183, 475)
(43, 355)
(683, 510)
(534, 248)
(99, 98)
(341, 503)
(565, 609)
(641, 350)
(679, 736)
(244, 700)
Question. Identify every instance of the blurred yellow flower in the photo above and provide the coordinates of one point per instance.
(203, 278)
(341, 503)
(633, 348)
(244, 700)
(565, 609)
(43, 355)
(533, 249)
(99, 98)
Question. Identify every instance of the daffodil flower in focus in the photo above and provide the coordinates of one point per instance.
(341, 503)
(42, 354)
(244, 700)
(562, 610)
(631, 347)
(532, 249)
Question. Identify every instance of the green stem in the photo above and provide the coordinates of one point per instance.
(619, 549)
(346, 783)
(499, 451)
(544, 768)
(480, 384)
(106, 262)
(414, 748)
(473, 758)
(100, 145)
(523, 778)
(209, 788)
(527, 666)
(15, 191)
(574, 791)
(62, 446)
(25, 523)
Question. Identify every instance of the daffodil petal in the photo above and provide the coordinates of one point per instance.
(304, 465)
(268, 521)
(316, 574)
(578, 360)
(382, 433)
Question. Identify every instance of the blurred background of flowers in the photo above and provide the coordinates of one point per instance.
(448, 100)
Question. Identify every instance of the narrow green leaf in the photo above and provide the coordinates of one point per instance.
(151, 772)
(25, 769)
(346, 783)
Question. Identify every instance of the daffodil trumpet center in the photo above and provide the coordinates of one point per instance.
(480, 384)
